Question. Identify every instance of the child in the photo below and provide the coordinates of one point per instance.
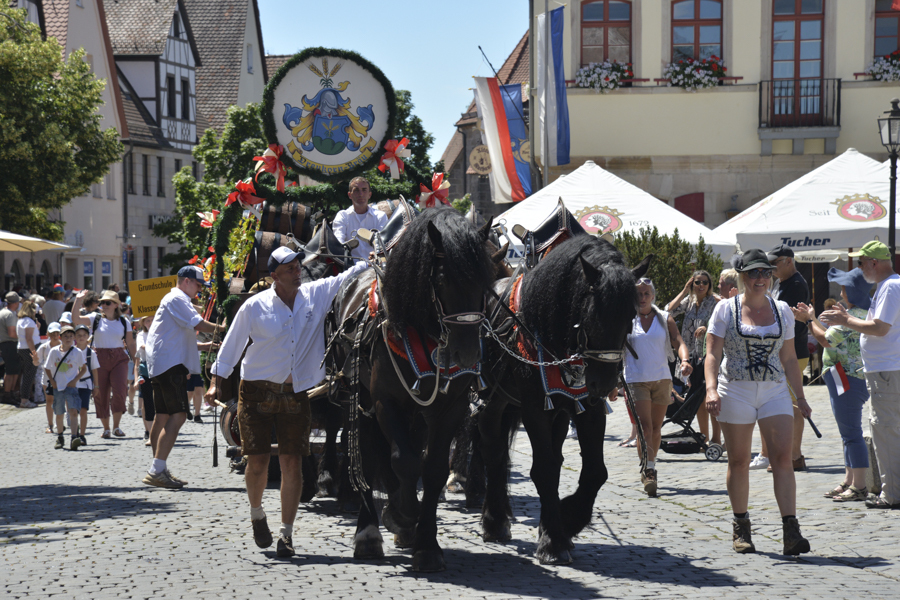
(38, 358)
(145, 389)
(64, 366)
(85, 384)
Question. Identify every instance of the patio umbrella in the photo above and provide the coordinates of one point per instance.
(14, 242)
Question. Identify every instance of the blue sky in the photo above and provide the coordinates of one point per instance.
(427, 47)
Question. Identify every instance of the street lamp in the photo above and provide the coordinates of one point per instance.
(889, 126)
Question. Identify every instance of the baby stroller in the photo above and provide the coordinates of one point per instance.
(689, 441)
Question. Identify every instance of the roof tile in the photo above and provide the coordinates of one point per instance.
(139, 26)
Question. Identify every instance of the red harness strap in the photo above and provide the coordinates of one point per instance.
(420, 355)
(526, 350)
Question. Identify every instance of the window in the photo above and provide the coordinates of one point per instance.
(170, 96)
(160, 255)
(160, 179)
(146, 181)
(110, 186)
(129, 172)
(194, 171)
(176, 26)
(605, 31)
(177, 164)
(249, 58)
(696, 29)
(887, 28)
(797, 33)
(185, 100)
(146, 262)
(96, 191)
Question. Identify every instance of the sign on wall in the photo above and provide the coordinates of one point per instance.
(146, 294)
(88, 267)
(331, 110)
(480, 160)
(106, 267)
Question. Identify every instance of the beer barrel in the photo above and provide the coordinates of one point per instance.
(264, 245)
(387, 207)
(290, 217)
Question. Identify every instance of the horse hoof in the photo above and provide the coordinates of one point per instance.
(429, 561)
(404, 539)
(368, 544)
(560, 558)
(501, 537)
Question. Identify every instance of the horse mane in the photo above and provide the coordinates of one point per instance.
(557, 295)
(411, 267)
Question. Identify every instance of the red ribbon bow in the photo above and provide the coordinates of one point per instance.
(438, 192)
(270, 162)
(244, 193)
(393, 157)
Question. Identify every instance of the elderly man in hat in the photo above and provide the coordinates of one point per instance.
(172, 356)
(880, 347)
(283, 361)
(9, 341)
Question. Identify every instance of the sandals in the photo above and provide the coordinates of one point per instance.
(48, 430)
(837, 491)
(874, 501)
(624, 443)
(631, 444)
(106, 434)
(852, 495)
(118, 432)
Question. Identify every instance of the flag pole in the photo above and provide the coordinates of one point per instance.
(545, 147)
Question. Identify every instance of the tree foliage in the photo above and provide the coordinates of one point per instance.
(675, 259)
(410, 126)
(52, 147)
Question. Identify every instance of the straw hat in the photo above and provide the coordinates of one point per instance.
(111, 296)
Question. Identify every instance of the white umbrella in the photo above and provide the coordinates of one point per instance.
(14, 242)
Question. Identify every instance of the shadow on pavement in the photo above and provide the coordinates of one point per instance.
(24, 508)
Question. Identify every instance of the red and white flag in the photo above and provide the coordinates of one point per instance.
(840, 378)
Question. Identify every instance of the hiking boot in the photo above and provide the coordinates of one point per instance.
(261, 534)
(76, 443)
(176, 479)
(741, 540)
(285, 547)
(60, 443)
(648, 478)
(794, 542)
(197, 418)
(162, 480)
(83, 440)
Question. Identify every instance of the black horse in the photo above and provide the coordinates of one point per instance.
(433, 287)
(580, 299)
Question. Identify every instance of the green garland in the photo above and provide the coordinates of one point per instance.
(269, 128)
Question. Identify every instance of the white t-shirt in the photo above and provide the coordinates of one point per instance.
(43, 351)
(347, 222)
(68, 369)
(883, 353)
(650, 345)
(109, 334)
(141, 346)
(172, 340)
(21, 325)
(86, 382)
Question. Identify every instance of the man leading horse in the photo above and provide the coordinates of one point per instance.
(284, 327)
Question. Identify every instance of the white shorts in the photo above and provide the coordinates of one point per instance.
(746, 402)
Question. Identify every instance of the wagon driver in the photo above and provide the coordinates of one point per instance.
(283, 361)
(359, 216)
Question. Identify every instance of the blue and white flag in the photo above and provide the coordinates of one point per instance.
(553, 107)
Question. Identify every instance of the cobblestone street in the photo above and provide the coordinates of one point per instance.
(81, 525)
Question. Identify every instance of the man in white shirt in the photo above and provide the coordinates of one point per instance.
(285, 325)
(171, 356)
(359, 216)
(880, 348)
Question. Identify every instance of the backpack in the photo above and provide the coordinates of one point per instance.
(96, 324)
(87, 360)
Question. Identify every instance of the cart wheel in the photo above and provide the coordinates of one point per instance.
(714, 452)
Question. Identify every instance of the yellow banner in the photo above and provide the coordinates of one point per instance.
(146, 294)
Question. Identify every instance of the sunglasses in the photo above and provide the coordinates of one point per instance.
(701, 282)
(645, 281)
(107, 303)
(757, 273)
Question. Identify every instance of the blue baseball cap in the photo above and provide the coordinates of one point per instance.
(192, 272)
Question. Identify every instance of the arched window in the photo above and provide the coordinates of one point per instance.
(887, 28)
(605, 31)
(18, 272)
(46, 271)
(696, 29)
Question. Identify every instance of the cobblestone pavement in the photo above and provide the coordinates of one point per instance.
(81, 525)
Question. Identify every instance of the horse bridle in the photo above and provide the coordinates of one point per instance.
(463, 318)
(607, 356)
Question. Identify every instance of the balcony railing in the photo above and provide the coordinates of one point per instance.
(800, 103)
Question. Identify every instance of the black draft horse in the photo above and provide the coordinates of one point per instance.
(579, 299)
(434, 284)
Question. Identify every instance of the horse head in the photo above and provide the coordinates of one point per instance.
(435, 281)
(584, 303)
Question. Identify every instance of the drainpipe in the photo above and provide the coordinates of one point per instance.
(536, 179)
(465, 159)
(125, 173)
